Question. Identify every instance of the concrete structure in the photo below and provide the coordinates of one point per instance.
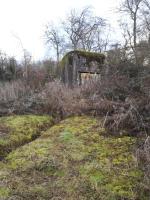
(80, 66)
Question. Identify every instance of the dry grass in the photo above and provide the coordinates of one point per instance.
(13, 90)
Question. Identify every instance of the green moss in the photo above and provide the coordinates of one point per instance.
(18, 130)
(66, 136)
(74, 160)
(4, 192)
(91, 56)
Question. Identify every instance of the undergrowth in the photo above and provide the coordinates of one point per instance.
(74, 159)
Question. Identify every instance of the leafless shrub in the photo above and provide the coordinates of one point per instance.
(127, 117)
(37, 78)
(59, 99)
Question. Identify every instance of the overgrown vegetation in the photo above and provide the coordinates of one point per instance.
(74, 159)
(103, 156)
(18, 130)
(121, 99)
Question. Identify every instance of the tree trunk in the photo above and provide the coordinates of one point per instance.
(135, 37)
(57, 55)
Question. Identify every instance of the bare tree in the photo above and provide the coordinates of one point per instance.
(8, 67)
(147, 3)
(146, 15)
(101, 39)
(54, 38)
(26, 57)
(82, 28)
(132, 7)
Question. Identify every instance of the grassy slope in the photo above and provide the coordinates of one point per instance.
(18, 130)
(70, 161)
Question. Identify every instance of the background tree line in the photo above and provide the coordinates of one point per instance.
(83, 30)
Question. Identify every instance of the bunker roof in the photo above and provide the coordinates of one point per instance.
(89, 56)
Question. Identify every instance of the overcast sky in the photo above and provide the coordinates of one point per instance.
(27, 18)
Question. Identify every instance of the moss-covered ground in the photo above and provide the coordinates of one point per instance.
(73, 160)
(18, 130)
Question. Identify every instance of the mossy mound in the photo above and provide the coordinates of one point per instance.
(18, 130)
(70, 161)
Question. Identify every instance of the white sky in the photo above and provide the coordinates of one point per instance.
(26, 19)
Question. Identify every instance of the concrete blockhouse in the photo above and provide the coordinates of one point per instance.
(78, 67)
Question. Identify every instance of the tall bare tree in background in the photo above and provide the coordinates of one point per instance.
(26, 57)
(83, 29)
(135, 26)
(132, 8)
(54, 39)
(8, 67)
(146, 15)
